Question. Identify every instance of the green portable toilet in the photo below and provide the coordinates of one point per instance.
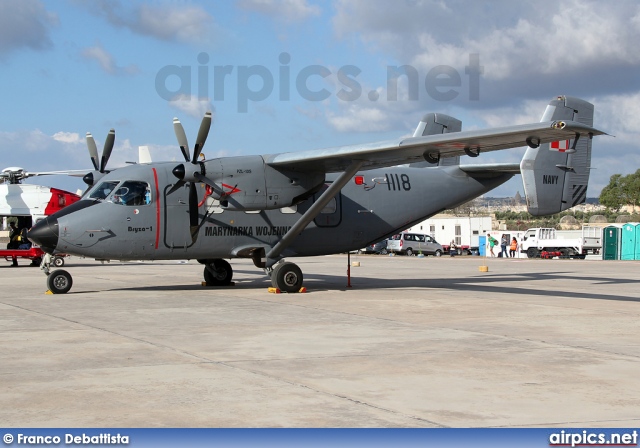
(611, 243)
(628, 241)
(637, 251)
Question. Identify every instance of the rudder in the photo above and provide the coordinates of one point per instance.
(556, 175)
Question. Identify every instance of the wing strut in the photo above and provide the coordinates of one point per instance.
(314, 210)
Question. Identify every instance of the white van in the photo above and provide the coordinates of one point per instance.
(414, 243)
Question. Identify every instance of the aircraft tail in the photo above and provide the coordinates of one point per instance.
(432, 124)
(555, 175)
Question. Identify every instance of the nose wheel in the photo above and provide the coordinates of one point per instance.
(59, 281)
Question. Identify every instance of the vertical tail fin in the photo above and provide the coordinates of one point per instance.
(432, 124)
(556, 175)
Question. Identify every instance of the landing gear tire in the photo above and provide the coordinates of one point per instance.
(59, 281)
(58, 262)
(532, 252)
(217, 273)
(287, 277)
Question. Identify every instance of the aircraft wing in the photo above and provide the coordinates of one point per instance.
(412, 149)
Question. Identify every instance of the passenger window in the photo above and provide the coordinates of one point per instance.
(289, 210)
(132, 193)
(331, 207)
(104, 189)
(420, 238)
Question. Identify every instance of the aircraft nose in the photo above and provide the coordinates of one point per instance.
(45, 234)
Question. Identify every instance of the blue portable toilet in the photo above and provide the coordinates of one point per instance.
(628, 241)
(482, 245)
(611, 243)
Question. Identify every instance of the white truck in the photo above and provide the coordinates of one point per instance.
(550, 242)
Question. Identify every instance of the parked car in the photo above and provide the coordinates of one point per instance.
(414, 243)
(376, 248)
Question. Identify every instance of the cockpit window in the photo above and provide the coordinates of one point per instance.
(104, 189)
(132, 193)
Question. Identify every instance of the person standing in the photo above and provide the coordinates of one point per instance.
(14, 241)
(504, 241)
(513, 249)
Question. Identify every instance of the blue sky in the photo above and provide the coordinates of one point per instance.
(74, 66)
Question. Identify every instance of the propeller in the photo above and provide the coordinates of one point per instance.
(99, 164)
(193, 170)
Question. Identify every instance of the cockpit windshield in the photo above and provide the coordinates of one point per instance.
(104, 189)
(132, 193)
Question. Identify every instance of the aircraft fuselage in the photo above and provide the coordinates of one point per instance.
(373, 205)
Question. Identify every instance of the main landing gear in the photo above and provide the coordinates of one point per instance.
(217, 272)
(287, 277)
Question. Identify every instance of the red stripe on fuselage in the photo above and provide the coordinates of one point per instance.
(155, 179)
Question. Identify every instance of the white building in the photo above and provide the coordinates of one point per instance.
(464, 230)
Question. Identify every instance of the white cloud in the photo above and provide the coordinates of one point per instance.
(181, 22)
(191, 105)
(512, 38)
(25, 23)
(106, 61)
(282, 10)
(68, 137)
(359, 119)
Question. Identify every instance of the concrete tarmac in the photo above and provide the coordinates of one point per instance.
(415, 342)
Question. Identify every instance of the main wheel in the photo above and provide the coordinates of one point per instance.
(58, 262)
(59, 281)
(532, 252)
(287, 277)
(218, 272)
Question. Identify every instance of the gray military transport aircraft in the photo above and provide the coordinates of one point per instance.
(307, 203)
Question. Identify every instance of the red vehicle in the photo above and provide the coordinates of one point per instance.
(26, 205)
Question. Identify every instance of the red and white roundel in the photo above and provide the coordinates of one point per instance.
(136, 211)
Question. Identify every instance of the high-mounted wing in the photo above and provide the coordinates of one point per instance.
(397, 152)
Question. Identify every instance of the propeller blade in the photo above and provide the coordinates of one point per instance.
(108, 147)
(182, 138)
(202, 136)
(93, 150)
(177, 186)
(217, 191)
(193, 211)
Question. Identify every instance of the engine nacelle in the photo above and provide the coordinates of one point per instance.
(251, 184)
